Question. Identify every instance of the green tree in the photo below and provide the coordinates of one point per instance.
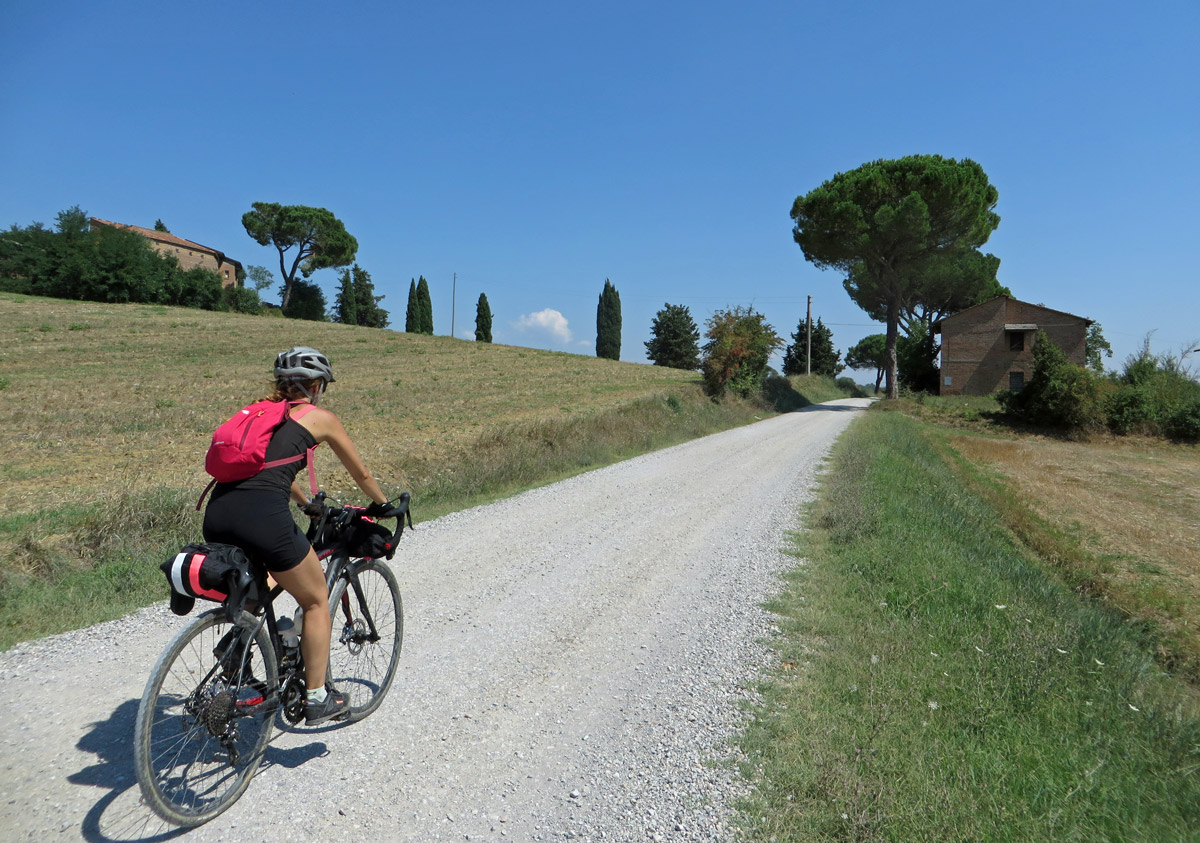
(366, 303)
(260, 277)
(869, 353)
(27, 257)
(319, 238)
(944, 287)
(424, 307)
(739, 348)
(1096, 348)
(825, 359)
(608, 323)
(411, 320)
(307, 302)
(888, 223)
(483, 320)
(674, 338)
(72, 222)
(345, 306)
(916, 360)
(159, 225)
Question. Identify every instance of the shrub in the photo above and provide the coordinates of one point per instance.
(740, 344)
(1184, 421)
(241, 300)
(1059, 394)
(1154, 395)
(1130, 409)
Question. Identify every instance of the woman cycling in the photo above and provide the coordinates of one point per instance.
(253, 513)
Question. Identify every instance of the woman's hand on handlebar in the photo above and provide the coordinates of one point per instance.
(387, 509)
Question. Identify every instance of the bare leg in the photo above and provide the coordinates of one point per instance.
(306, 583)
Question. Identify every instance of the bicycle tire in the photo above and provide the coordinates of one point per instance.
(187, 773)
(360, 668)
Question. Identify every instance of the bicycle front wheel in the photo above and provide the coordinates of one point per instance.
(204, 720)
(368, 630)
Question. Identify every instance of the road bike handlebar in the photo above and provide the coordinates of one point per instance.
(342, 516)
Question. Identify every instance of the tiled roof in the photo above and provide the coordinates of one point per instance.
(163, 237)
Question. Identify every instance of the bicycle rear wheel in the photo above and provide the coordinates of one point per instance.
(368, 630)
(202, 726)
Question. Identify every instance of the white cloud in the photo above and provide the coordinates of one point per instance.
(548, 322)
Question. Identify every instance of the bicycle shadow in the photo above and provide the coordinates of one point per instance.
(119, 815)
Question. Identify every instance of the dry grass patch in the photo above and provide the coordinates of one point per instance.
(1132, 507)
(100, 396)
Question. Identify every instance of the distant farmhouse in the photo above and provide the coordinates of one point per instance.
(990, 346)
(189, 254)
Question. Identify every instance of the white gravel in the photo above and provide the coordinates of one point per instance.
(575, 659)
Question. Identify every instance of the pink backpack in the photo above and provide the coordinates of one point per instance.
(239, 446)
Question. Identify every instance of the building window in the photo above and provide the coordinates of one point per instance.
(1016, 381)
(1016, 340)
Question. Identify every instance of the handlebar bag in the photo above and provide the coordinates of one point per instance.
(370, 540)
(219, 572)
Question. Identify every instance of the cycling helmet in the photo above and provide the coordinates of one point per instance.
(302, 363)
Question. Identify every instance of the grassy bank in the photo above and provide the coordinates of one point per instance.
(108, 410)
(939, 683)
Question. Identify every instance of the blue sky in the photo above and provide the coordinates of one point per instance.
(536, 149)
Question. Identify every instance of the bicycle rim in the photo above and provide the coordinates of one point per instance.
(362, 665)
(199, 738)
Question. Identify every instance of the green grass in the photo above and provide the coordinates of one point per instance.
(936, 683)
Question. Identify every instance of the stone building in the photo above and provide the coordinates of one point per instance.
(189, 254)
(989, 347)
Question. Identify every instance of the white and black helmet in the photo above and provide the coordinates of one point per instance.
(303, 364)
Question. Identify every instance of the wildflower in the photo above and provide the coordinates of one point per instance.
(933, 706)
(874, 659)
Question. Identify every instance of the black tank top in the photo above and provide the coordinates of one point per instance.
(290, 439)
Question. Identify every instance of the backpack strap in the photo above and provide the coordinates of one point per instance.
(302, 409)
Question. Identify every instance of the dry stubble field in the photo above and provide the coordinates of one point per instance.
(1132, 505)
(104, 397)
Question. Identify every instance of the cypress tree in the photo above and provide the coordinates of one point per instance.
(608, 323)
(483, 320)
(410, 315)
(424, 307)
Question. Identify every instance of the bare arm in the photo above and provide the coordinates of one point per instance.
(326, 427)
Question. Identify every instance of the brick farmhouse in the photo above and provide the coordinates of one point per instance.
(190, 255)
(990, 346)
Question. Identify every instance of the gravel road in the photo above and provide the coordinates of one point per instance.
(574, 662)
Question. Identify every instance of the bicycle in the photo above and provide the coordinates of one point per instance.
(211, 701)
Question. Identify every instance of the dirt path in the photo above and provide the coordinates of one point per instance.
(574, 661)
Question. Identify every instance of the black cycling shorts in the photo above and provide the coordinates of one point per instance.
(260, 523)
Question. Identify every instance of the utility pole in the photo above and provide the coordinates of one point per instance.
(453, 295)
(808, 331)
